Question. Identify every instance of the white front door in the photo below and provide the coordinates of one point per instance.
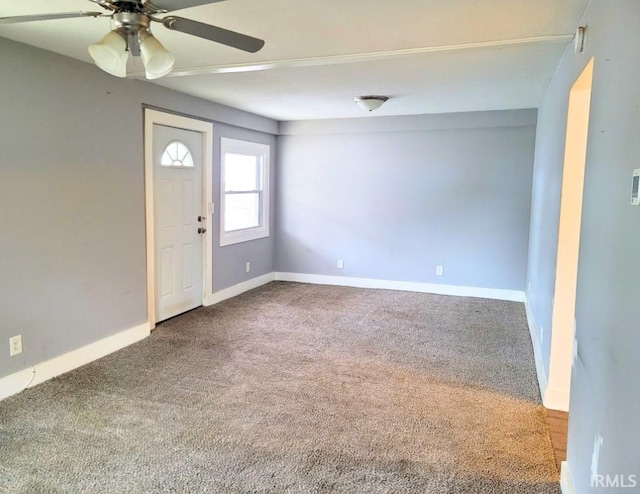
(178, 220)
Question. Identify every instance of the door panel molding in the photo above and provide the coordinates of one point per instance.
(155, 117)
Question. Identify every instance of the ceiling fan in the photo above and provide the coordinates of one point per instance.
(132, 20)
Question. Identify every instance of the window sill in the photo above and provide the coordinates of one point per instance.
(240, 236)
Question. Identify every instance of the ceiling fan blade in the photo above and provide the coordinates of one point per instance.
(47, 17)
(169, 5)
(214, 33)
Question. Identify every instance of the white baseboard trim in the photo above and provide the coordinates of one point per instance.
(566, 479)
(409, 286)
(552, 398)
(16, 382)
(235, 290)
(39, 373)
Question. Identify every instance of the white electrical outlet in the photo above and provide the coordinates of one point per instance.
(15, 345)
(340, 264)
(529, 287)
(439, 270)
(247, 267)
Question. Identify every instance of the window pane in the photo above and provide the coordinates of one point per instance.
(241, 211)
(241, 172)
(176, 154)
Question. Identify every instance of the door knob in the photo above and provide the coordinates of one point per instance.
(202, 230)
(200, 219)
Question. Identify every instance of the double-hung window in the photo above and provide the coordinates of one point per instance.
(245, 191)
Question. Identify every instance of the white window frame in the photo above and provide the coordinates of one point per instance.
(262, 151)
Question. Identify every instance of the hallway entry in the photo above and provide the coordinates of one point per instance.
(563, 321)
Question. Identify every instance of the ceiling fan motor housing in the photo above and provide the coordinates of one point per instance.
(131, 21)
(140, 6)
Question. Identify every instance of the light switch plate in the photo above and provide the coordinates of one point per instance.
(635, 188)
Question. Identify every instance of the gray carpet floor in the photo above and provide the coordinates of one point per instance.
(296, 388)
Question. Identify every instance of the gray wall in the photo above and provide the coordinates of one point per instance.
(545, 212)
(395, 196)
(229, 261)
(605, 396)
(72, 228)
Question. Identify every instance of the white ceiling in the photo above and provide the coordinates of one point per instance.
(380, 32)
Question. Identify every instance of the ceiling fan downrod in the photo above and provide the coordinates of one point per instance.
(134, 28)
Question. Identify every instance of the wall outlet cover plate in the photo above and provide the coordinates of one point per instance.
(15, 345)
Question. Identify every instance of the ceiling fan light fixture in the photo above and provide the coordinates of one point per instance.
(131, 19)
(110, 54)
(157, 61)
(371, 103)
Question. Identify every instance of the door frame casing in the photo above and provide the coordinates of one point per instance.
(155, 117)
(561, 352)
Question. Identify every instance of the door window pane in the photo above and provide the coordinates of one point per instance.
(177, 154)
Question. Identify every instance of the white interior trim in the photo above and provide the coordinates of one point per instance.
(356, 57)
(262, 152)
(49, 369)
(556, 399)
(566, 479)
(552, 398)
(460, 291)
(409, 286)
(235, 290)
(16, 382)
(43, 371)
(564, 299)
(94, 351)
(152, 117)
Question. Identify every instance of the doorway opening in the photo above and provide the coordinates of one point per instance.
(179, 207)
(558, 392)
